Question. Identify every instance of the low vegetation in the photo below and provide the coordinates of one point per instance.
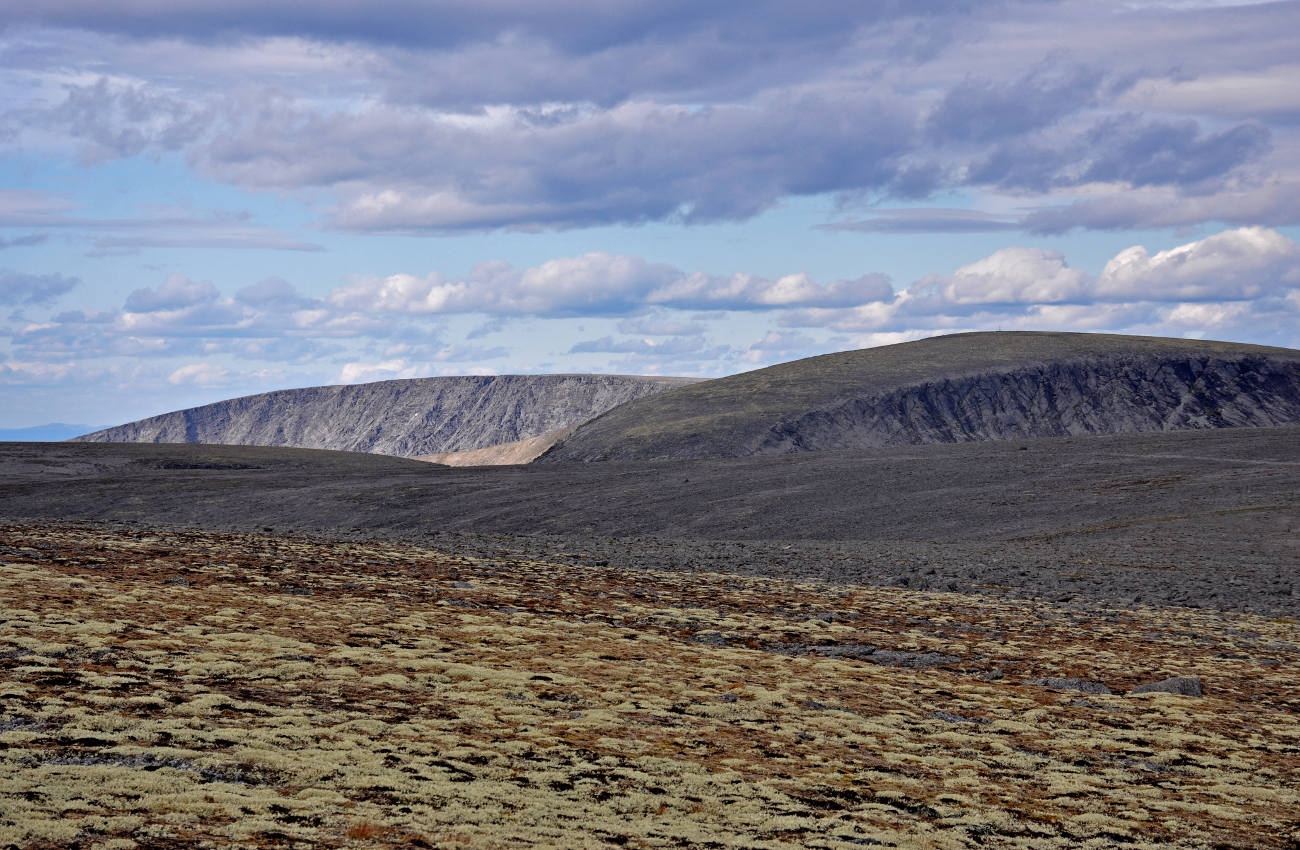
(199, 689)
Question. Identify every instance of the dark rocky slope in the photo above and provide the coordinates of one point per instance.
(958, 388)
(407, 417)
(1208, 518)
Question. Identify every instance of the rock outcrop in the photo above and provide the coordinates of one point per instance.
(408, 418)
(958, 388)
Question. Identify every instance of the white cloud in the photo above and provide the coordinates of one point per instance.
(597, 284)
(175, 293)
(1237, 283)
(201, 375)
(1012, 275)
(356, 373)
(1243, 263)
(26, 372)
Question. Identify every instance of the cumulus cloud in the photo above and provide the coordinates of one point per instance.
(19, 288)
(175, 293)
(1245, 280)
(357, 372)
(200, 374)
(1012, 276)
(596, 284)
(1235, 264)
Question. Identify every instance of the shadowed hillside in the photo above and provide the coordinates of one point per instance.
(957, 388)
(409, 417)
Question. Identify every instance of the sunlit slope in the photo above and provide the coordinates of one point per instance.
(418, 416)
(957, 388)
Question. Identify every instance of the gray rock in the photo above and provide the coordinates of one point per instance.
(1188, 686)
(408, 418)
(951, 717)
(1071, 683)
(899, 658)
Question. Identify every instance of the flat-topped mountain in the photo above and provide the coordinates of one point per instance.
(957, 388)
(419, 416)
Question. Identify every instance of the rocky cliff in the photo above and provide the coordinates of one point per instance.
(406, 417)
(957, 388)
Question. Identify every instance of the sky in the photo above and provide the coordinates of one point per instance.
(204, 200)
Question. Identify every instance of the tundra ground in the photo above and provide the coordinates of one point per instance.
(178, 689)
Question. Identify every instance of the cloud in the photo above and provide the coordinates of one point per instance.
(1154, 153)
(1245, 281)
(200, 374)
(23, 241)
(596, 284)
(177, 292)
(927, 220)
(442, 118)
(1124, 149)
(1236, 264)
(984, 110)
(574, 27)
(653, 346)
(1272, 202)
(659, 324)
(115, 122)
(356, 372)
(20, 288)
(778, 346)
(1010, 276)
(272, 292)
(743, 291)
(36, 373)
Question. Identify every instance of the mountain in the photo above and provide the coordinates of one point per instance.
(51, 433)
(420, 416)
(956, 388)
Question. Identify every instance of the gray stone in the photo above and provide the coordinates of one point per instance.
(1071, 683)
(1188, 686)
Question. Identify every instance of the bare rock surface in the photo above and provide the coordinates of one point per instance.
(1071, 683)
(1188, 686)
(1199, 519)
(952, 389)
(418, 416)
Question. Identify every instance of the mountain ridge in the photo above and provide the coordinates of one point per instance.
(953, 388)
(404, 417)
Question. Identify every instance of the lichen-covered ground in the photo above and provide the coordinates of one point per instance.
(190, 689)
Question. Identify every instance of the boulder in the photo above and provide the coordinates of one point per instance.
(1086, 686)
(1188, 686)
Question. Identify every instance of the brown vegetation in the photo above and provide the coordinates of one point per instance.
(191, 689)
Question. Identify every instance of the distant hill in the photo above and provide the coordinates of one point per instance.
(419, 416)
(957, 388)
(51, 433)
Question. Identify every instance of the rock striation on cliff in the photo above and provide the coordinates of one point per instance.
(957, 388)
(419, 416)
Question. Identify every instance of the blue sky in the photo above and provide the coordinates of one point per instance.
(202, 200)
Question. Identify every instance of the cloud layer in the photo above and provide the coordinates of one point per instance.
(441, 117)
(623, 313)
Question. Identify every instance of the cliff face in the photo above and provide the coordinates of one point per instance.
(407, 417)
(959, 388)
(1089, 397)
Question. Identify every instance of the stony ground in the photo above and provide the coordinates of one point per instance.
(1208, 519)
(181, 689)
